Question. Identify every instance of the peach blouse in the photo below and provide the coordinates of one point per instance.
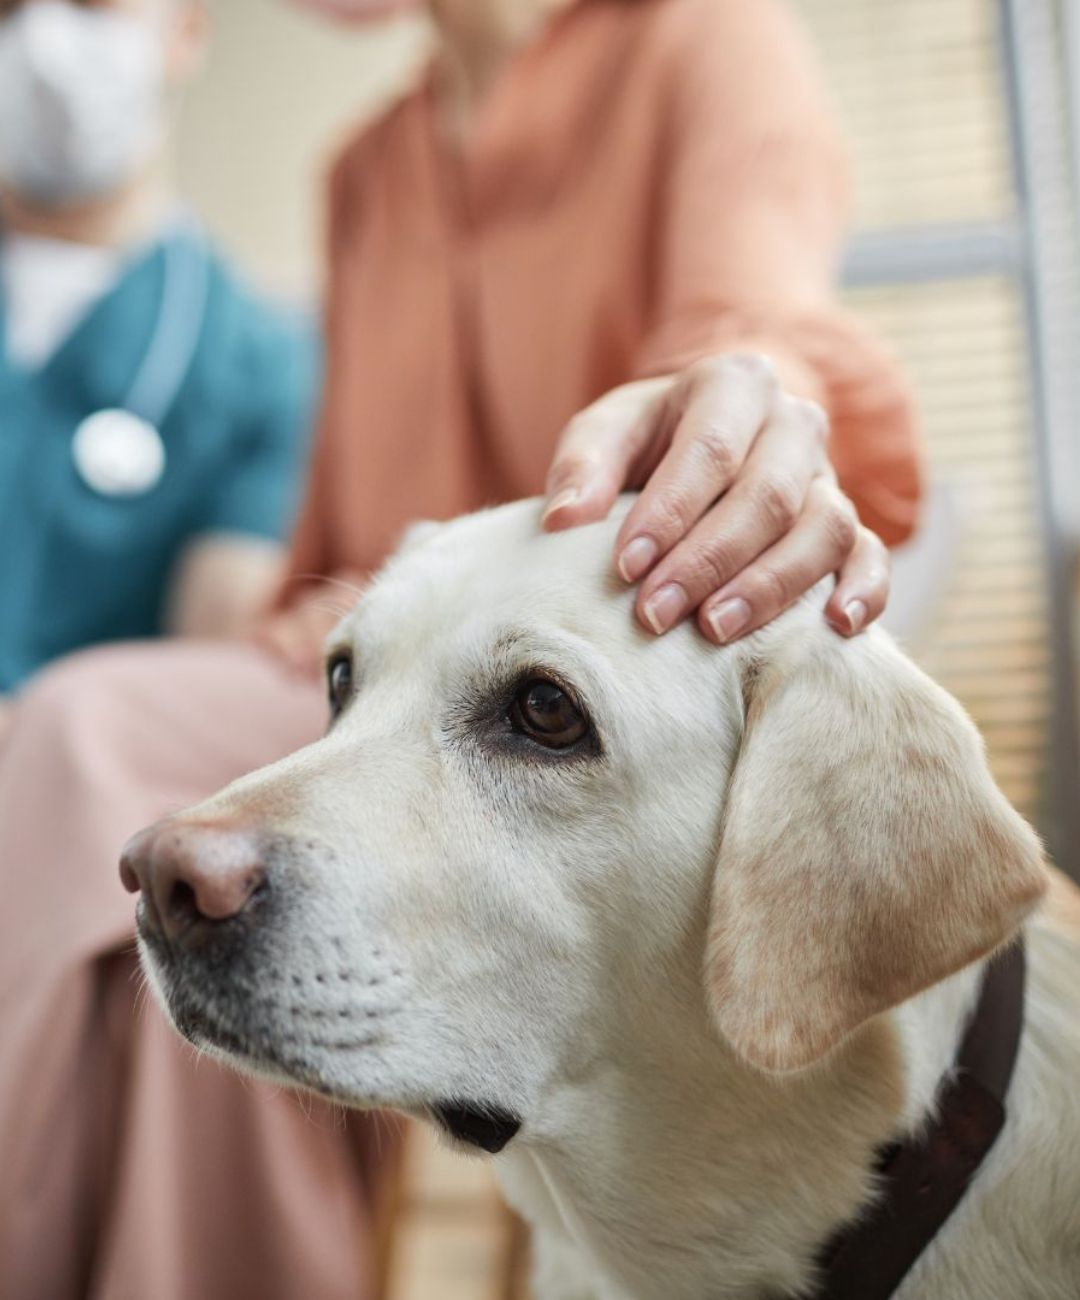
(647, 182)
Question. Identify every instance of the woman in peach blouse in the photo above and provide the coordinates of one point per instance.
(640, 185)
(593, 249)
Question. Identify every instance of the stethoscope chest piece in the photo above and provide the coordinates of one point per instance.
(118, 454)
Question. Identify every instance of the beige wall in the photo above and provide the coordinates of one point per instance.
(279, 89)
(281, 86)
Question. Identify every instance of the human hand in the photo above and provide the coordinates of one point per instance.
(739, 512)
(297, 634)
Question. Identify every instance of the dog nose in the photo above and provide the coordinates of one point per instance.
(193, 875)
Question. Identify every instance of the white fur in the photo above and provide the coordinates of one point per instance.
(572, 941)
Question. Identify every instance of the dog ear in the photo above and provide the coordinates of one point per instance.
(865, 854)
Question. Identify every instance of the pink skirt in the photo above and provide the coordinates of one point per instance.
(130, 1169)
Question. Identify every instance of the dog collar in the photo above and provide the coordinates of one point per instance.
(925, 1178)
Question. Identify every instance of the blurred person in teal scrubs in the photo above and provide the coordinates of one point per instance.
(152, 411)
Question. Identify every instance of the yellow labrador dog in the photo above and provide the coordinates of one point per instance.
(691, 937)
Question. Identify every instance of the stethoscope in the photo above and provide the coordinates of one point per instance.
(119, 451)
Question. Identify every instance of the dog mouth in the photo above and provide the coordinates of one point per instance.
(237, 1003)
(477, 1123)
(262, 1050)
(226, 1004)
(258, 1044)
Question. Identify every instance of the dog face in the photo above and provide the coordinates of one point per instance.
(532, 833)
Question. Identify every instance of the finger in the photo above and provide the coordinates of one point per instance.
(288, 637)
(267, 635)
(311, 632)
(818, 545)
(289, 650)
(764, 504)
(722, 406)
(596, 450)
(863, 588)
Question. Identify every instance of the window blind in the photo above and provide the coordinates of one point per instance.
(972, 287)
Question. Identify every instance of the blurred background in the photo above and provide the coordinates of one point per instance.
(962, 115)
(963, 118)
(258, 189)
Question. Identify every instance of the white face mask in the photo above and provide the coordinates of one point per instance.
(81, 100)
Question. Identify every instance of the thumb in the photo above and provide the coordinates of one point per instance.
(592, 461)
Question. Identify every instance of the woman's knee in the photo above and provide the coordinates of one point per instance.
(80, 681)
(165, 713)
(70, 711)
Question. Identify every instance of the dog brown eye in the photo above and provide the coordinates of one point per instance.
(339, 681)
(548, 715)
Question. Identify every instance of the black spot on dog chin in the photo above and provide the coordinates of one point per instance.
(478, 1123)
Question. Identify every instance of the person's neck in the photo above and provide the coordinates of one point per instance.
(476, 40)
(117, 220)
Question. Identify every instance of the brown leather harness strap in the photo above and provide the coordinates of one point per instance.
(924, 1178)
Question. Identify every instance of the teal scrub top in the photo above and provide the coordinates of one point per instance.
(78, 566)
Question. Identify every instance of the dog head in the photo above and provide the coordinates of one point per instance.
(532, 830)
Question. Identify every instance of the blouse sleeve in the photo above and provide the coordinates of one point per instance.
(751, 223)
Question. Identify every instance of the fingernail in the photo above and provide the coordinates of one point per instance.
(637, 558)
(664, 606)
(855, 613)
(729, 618)
(567, 497)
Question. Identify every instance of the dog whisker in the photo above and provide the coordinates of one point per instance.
(331, 607)
(350, 587)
